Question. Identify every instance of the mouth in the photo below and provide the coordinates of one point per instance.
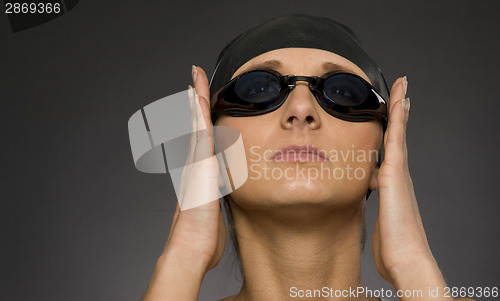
(299, 153)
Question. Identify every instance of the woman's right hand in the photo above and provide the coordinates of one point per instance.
(197, 235)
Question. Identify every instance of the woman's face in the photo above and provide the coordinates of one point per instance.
(350, 149)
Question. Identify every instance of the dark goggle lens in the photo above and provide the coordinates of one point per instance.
(257, 87)
(342, 95)
(345, 90)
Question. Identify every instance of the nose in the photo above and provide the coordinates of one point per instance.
(300, 108)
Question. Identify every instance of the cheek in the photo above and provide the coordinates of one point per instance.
(354, 150)
(253, 137)
(364, 136)
(252, 129)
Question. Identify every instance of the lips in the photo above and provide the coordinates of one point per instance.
(299, 153)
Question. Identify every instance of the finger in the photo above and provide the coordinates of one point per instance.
(413, 197)
(394, 140)
(202, 88)
(394, 187)
(206, 138)
(406, 117)
(205, 110)
(186, 171)
(398, 90)
(397, 93)
(192, 140)
(203, 96)
(204, 142)
(200, 82)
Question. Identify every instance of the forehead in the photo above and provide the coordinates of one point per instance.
(301, 61)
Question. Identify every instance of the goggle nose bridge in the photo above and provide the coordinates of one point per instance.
(292, 79)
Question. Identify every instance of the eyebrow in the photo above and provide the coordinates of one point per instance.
(330, 66)
(276, 64)
(273, 64)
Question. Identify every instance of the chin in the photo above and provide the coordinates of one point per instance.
(269, 185)
(293, 193)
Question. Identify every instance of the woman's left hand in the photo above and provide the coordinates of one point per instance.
(399, 244)
(399, 240)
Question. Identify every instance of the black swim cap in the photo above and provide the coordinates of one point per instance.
(295, 30)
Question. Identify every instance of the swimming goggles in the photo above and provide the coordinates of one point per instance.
(343, 95)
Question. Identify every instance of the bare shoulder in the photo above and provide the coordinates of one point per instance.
(230, 298)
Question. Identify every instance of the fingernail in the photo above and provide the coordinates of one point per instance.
(190, 95)
(196, 99)
(194, 73)
(403, 107)
(405, 104)
(405, 84)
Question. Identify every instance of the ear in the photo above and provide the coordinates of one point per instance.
(373, 180)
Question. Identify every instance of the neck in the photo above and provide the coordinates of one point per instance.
(286, 250)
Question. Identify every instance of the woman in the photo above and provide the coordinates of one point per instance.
(299, 218)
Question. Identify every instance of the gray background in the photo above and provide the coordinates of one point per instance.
(79, 222)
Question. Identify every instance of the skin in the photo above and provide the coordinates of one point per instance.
(299, 233)
(301, 120)
(308, 217)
